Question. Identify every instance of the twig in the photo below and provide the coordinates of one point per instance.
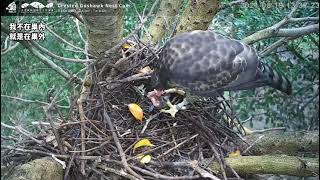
(22, 131)
(232, 3)
(43, 153)
(269, 129)
(62, 39)
(249, 119)
(295, 32)
(160, 176)
(66, 173)
(275, 31)
(6, 50)
(289, 32)
(202, 172)
(118, 172)
(148, 121)
(79, 31)
(132, 33)
(251, 145)
(119, 147)
(82, 124)
(94, 148)
(220, 160)
(177, 146)
(45, 60)
(49, 53)
(274, 46)
(77, 15)
(51, 64)
(48, 113)
(31, 101)
(6, 43)
(156, 148)
(100, 173)
(234, 172)
(304, 19)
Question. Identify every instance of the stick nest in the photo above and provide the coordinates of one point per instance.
(98, 134)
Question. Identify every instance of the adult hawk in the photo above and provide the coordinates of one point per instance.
(205, 63)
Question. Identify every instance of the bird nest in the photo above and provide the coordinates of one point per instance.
(99, 136)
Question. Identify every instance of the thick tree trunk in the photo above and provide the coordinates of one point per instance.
(278, 165)
(304, 143)
(164, 21)
(198, 15)
(104, 30)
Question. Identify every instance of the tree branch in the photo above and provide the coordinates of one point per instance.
(79, 31)
(304, 19)
(296, 32)
(10, 48)
(288, 32)
(118, 145)
(232, 3)
(22, 131)
(49, 53)
(78, 16)
(45, 60)
(274, 46)
(51, 64)
(63, 40)
(275, 31)
(32, 101)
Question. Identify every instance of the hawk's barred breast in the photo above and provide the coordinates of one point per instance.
(205, 63)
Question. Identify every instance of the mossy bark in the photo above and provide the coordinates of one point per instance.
(278, 165)
(163, 22)
(304, 143)
(198, 15)
(104, 30)
(39, 169)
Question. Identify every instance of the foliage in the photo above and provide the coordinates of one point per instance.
(24, 76)
(131, 18)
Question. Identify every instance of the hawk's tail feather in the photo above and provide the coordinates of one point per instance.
(277, 80)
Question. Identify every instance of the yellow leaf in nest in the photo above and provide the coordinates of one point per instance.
(235, 154)
(126, 46)
(146, 70)
(145, 159)
(136, 111)
(142, 143)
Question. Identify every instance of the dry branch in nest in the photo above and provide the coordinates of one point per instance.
(98, 137)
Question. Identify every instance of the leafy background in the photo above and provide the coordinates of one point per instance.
(24, 76)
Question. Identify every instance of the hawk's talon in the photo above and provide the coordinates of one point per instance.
(173, 109)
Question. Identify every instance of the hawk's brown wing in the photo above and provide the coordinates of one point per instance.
(205, 63)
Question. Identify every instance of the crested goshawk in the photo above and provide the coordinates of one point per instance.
(205, 63)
